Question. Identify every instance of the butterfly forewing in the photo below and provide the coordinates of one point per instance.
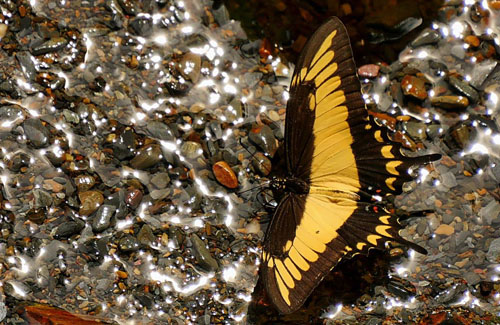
(332, 146)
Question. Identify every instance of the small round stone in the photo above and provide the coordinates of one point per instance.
(414, 86)
(146, 157)
(84, 182)
(91, 201)
(472, 40)
(369, 70)
(225, 175)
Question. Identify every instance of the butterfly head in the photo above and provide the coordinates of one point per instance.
(277, 184)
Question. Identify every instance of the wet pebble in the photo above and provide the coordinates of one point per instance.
(102, 218)
(445, 230)
(68, 229)
(225, 175)
(448, 218)
(36, 132)
(449, 180)
(146, 157)
(416, 130)
(160, 180)
(90, 202)
(128, 7)
(37, 216)
(18, 161)
(146, 236)
(124, 145)
(202, 254)
(84, 182)
(472, 278)
(493, 254)
(191, 149)
(133, 198)
(262, 163)
(3, 30)
(159, 194)
(128, 244)
(450, 102)
(52, 185)
(428, 36)
(369, 70)
(458, 51)
(16, 289)
(26, 61)
(490, 212)
(472, 40)
(189, 66)
(414, 86)
(141, 26)
(52, 45)
(480, 72)
(70, 116)
(42, 198)
(464, 88)
(160, 130)
(263, 137)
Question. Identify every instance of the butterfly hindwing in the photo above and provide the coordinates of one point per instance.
(332, 146)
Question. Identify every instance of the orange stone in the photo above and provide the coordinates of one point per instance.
(22, 11)
(45, 314)
(495, 4)
(472, 40)
(414, 86)
(265, 48)
(445, 230)
(225, 175)
(121, 274)
(90, 201)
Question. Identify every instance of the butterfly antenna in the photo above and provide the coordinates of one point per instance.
(253, 156)
(251, 189)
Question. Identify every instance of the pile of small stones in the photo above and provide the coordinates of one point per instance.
(134, 137)
(443, 92)
(127, 131)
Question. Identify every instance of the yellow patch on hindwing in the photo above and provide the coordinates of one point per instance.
(383, 230)
(384, 219)
(392, 165)
(360, 245)
(389, 182)
(298, 259)
(282, 288)
(305, 251)
(312, 102)
(270, 263)
(372, 239)
(386, 152)
(285, 275)
(292, 268)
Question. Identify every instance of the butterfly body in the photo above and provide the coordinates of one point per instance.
(289, 184)
(331, 157)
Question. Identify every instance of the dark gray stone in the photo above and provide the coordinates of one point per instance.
(202, 254)
(36, 132)
(102, 218)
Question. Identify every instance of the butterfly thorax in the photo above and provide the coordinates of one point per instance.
(289, 184)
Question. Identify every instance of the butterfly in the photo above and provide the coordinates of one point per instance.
(334, 156)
